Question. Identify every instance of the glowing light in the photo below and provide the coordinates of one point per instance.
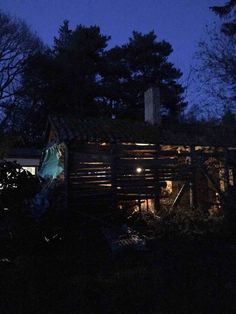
(139, 170)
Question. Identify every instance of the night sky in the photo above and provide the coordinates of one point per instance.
(181, 22)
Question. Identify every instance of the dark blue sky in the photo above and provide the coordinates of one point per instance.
(181, 22)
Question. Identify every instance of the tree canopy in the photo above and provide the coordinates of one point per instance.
(137, 65)
(67, 77)
(80, 74)
(228, 12)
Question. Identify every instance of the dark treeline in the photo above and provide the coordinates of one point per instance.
(81, 75)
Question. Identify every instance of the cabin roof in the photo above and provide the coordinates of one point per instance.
(108, 130)
(33, 153)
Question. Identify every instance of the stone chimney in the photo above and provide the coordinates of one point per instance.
(152, 105)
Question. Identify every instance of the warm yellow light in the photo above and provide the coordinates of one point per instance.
(139, 169)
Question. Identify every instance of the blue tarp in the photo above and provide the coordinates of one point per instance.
(51, 166)
(50, 169)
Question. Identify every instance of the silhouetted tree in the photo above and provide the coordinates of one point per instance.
(64, 37)
(137, 65)
(67, 79)
(227, 11)
(81, 76)
(17, 42)
(216, 58)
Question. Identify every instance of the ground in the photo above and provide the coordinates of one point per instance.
(78, 274)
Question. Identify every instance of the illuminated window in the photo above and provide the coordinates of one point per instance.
(169, 186)
(32, 170)
(222, 179)
(231, 177)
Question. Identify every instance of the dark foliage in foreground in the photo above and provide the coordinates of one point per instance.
(17, 185)
(73, 271)
(79, 275)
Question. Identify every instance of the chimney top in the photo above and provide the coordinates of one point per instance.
(152, 105)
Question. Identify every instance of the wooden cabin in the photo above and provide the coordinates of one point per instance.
(145, 166)
(123, 164)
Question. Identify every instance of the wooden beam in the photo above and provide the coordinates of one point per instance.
(226, 170)
(157, 187)
(179, 195)
(210, 178)
(192, 183)
(114, 159)
(66, 174)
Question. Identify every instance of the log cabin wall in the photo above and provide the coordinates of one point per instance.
(108, 175)
(115, 163)
(89, 176)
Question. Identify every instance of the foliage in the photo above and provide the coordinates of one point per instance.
(135, 66)
(6, 142)
(67, 78)
(184, 223)
(16, 185)
(81, 75)
(25, 123)
(227, 11)
(230, 212)
(64, 37)
(153, 281)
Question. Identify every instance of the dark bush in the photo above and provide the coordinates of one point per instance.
(229, 210)
(16, 186)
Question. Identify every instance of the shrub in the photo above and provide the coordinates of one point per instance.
(16, 186)
(229, 210)
(186, 223)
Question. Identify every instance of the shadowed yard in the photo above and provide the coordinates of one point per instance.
(81, 276)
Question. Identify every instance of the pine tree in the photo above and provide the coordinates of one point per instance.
(66, 79)
(227, 11)
(64, 37)
(136, 66)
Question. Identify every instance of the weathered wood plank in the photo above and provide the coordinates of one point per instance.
(86, 157)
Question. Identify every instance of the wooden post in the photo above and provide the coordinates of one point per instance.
(67, 206)
(139, 205)
(232, 159)
(179, 195)
(114, 158)
(226, 170)
(192, 183)
(147, 207)
(66, 175)
(157, 188)
(212, 181)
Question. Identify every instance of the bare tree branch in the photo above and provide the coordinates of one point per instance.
(17, 42)
(214, 74)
